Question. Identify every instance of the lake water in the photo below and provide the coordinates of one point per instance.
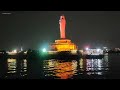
(106, 68)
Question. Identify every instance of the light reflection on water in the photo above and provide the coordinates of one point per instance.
(11, 63)
(96, 66)
(16, 68)
(62, 69)
(57, 69)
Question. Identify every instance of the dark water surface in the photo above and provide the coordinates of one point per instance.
(106, 68)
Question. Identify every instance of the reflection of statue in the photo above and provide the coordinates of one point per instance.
(60, 69)
(62, 23)
(65, 70)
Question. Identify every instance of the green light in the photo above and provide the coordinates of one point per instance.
(44, 50)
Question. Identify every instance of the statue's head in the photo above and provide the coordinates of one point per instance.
(62, 17)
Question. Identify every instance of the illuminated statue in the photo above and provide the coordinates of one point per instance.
(62, 23)
(63, 44)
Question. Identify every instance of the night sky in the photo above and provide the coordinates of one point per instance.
(37, 29)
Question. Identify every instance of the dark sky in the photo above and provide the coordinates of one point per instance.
(37, 29)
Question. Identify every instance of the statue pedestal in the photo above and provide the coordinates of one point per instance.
(63, 45)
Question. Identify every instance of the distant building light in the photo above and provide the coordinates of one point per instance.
(21, 49)
(15, 51)
(98, 50)
(104, 47)
(25, 52)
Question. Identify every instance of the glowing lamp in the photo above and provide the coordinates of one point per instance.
(44, 50)
(87, 48)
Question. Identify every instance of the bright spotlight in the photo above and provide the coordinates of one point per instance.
(15, 51)
(44, 50)
(98, 50)
(87, 48)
